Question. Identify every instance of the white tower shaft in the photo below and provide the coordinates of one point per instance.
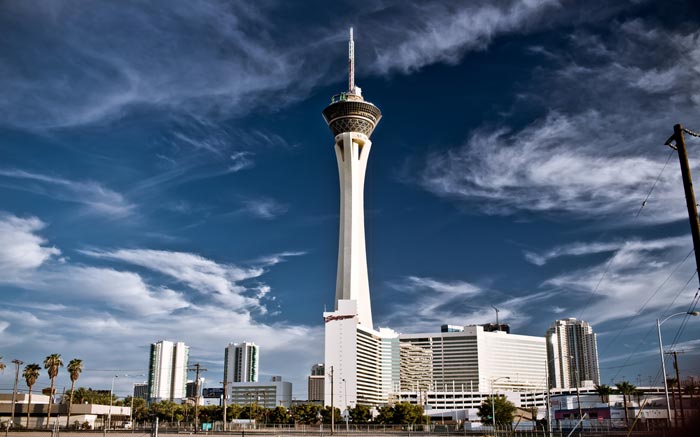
(352, 151)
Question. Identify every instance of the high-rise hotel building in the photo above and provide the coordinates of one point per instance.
(167, 371)
(241, 362)
(572, 354)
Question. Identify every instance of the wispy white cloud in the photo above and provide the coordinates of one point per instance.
(271, 260)
(197, 272)
(556, 165)
(581, 248)
(119, 290)
(433, 303)
(623, 284)
(265, 208)
(240, 161)
(442, 33)
(598, 150)
(136, 55)
(21, 249)
(95, 197)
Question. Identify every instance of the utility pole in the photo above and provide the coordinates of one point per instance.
(224, 382)
(196, 368)
(332, 408)
(678, 384)
(14, 395)
(679, 139)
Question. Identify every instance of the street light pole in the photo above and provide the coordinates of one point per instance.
(14, 395)
(578, 387)
(347, 407)
(663, 362)
(548, 403)
(225, 399)
(111, 396)
(493, 403)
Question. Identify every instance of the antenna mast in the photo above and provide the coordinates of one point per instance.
(351, 58)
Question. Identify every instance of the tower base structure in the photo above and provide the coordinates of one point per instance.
(363, 362)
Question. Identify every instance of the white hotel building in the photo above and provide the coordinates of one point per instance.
(478, 361)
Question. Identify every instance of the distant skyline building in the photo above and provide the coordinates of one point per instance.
(316, 383)
(572, 354)
(357, 358)
(141, 390)
(241, 362)
(167, 371)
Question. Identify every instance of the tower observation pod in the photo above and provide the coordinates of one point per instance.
(352, 121)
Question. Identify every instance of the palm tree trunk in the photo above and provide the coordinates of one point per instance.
(70, 403)
(29, 405)
(48, 420)
(627, 419)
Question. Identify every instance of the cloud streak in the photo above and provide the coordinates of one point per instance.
(628, 282)
(431, 303)
(95, 198)
(441, 33)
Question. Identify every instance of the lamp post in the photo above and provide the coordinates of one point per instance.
(578, 386)
(225, 402)
(111, 396)
(347, 407)
(663, 363)
(17, 363)
(493, 404)
(548, 403)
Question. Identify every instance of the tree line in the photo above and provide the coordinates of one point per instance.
(306, 413)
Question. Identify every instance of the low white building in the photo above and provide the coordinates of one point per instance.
(90, 416)
(269, 394)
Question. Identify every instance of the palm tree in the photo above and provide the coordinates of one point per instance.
(2, 365)
(604, 391)
(626, 389)
(75, 366)
(30, 374)
(52, 363)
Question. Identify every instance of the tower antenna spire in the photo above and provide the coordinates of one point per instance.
(351, 61)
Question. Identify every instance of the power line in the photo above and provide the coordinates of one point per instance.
(651, 328)
(644, 203)
(639, 311)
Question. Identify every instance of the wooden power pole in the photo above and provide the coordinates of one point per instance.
(679, 139)
(678, 385)
(196, 368)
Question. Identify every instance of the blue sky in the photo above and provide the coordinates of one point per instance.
(165, 173)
